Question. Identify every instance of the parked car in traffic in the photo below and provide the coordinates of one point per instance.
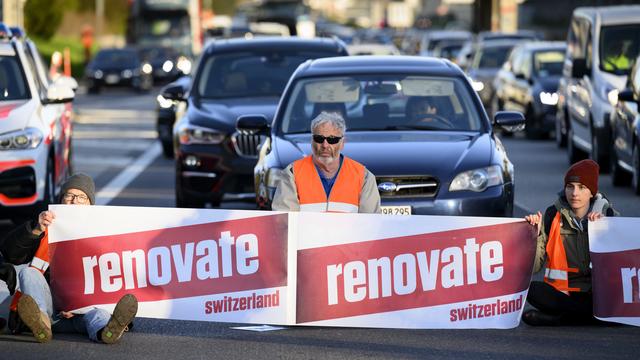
(166, 112)
(35, 130)
(234, 77)
(487, 61)
(528, 83)
(625, 127)
(431, 39)
(601, 43)
(118, 67)
(414, 122)
(166, 63)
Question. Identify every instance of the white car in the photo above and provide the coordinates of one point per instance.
(35, 130)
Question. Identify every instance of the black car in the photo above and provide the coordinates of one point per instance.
(528, 83)
(415, 122)
(625, 125)
(234, 77)
(118, 67)
(486, 62)
(166, 112)
(166, 63)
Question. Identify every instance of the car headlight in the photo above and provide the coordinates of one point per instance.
(477, 85)
(164, 102)
(184, 65)
(167, 66)
(28, 138)
(609, 94)
(147, 68)
(478, 179)
(190, 134)
(98, 74)
(127, 73)
(549, 98)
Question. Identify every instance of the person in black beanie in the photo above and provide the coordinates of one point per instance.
(33, 304)
(565, 297)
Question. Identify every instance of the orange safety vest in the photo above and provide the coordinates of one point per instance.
(557, 271)
(40, 261)
(344, 195)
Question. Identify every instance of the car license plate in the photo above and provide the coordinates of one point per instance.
(396, 210)
(112, 79)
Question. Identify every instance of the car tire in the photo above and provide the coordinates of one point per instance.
(94, 90)
(532, 129)
(183, 200)
(619, 177)
(167, 149)
(561, 139)
(597, 152)
(574, 154)
(635, 178)
(49, 186)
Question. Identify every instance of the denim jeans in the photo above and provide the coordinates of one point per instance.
(33, 283)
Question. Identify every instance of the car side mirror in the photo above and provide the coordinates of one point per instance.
(252, 124)
(626, 95)
(67, 81)
(58, 94)
(511, 121)
(174, 92)
(579, 68)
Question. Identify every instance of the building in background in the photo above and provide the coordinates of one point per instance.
(11, 12)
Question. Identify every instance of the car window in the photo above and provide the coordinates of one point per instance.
(383, 102)
(249, 74)
(492, 57)
(548, 63)
(619, 46)
(13, 85)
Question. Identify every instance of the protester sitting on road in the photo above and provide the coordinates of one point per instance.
(327, 181)
(565, 296)
(29, 244)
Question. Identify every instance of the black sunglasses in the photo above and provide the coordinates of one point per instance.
(330, 139)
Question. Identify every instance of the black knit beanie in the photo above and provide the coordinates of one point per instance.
(81, 182)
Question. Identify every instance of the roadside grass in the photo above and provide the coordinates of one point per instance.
(48, 47)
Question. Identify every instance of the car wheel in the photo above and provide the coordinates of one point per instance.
(532, 128)
(94, 90)
(49, 187)
(574, 154)
(635, 182)
(597, 153)
(167, 149)
(619, 177)
(561, 139)
(183, 200)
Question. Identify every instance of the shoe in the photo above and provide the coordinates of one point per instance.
(37, 321)
(537, 318)
(124, 312)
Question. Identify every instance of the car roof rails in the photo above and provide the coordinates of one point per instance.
(17, 32)
(5, 32)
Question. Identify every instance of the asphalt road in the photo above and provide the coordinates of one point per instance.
(116, 129)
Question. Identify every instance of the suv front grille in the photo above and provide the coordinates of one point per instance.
(247, 145)
(407, 186)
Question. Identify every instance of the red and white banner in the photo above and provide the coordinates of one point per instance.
(363, 270)
(615, 256)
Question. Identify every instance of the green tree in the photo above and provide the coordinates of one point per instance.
(42, 17)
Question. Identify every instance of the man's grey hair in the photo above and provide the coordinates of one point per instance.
(333, 118)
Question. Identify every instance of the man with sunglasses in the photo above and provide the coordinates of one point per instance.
(327, 181)
(33, 304)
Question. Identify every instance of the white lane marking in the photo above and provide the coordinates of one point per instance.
(116, 134)
(119, 161)
(115, 186)
(118, 145)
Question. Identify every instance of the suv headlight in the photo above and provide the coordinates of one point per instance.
(191, 134)
(549, 98)
(477, 180)
(184, 65)
(28, 138)
(609, 94)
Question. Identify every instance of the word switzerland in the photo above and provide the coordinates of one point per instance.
(475, 311)
(155, 267)
(230, 303)
(405, 272)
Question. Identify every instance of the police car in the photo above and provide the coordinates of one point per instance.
(35, 129)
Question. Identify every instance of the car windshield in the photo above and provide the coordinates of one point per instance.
(120, 58)
(13, 85)
(548, 63)
(384, 103)
(250, 74)
(492, 57)
(619, 46)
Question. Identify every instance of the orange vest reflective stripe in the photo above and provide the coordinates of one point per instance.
(344, 195)
(40, 261)
(557, 271)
